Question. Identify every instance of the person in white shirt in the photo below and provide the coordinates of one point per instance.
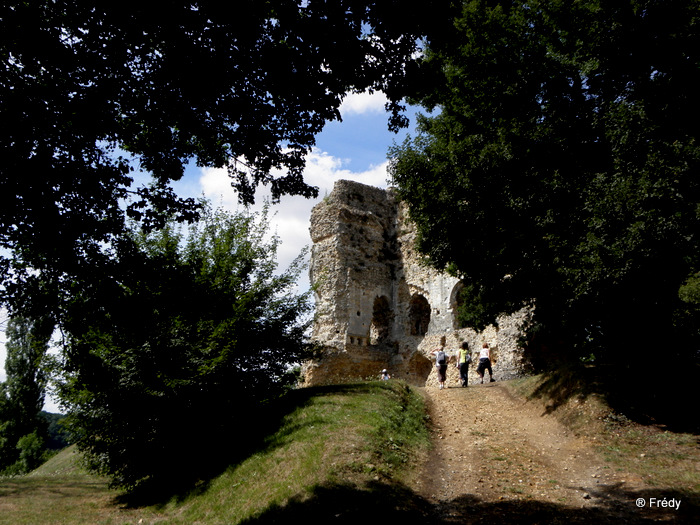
(485, 363)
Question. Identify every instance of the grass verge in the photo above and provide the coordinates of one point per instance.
(354, 444)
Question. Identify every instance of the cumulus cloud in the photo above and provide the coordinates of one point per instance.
(292, 215)
(361, 103)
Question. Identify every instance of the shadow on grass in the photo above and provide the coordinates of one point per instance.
(28, 487)
(382, 503)
(642, 393)
(249, 434)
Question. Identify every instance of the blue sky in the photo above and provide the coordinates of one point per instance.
(354, 149)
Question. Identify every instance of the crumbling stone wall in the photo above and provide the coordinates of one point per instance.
(379, 305)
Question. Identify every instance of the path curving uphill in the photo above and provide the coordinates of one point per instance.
(501, 459)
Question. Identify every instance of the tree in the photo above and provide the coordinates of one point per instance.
(561, 166)
(23, 430)
(58, 438)
(169, 361)
(92, 91)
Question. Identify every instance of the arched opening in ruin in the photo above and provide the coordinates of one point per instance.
(382, 317)
(418, 315)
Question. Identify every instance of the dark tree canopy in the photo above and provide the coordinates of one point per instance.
(562, 164)
(244, 85)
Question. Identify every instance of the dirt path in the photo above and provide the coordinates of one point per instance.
(502, 460)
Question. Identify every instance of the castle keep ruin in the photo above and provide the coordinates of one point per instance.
(378, 305)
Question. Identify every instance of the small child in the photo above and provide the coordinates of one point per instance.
(385, 375)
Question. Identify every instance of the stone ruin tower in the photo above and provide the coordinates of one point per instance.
(379, 305)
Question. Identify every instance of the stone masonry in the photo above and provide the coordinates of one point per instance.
(379, 305)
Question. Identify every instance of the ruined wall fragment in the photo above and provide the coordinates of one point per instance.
(378, 304)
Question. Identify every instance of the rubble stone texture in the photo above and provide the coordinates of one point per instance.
(380, 305)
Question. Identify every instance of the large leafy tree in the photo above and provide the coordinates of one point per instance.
(165, 363)
(90, 91)
(562, 165)
(23, 431)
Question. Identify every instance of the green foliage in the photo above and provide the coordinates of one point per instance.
(689, 292)
(561, 165)
(22, 430)
(175, 354)
(58, 437)
(471, 307)
(31, 451)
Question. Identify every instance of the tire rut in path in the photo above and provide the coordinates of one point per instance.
(496, 454)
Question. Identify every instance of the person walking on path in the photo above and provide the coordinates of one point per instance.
(485, 363)
(463, 362)
(441, 365)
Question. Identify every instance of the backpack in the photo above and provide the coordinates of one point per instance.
(441, 358)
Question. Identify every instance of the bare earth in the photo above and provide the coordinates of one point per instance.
(499, 459)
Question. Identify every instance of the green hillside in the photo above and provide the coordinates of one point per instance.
(351, 443)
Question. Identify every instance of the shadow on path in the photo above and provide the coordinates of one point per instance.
(387, 504)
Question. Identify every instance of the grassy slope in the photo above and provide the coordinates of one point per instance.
(350, 443)
(333, 443)
(345, 454)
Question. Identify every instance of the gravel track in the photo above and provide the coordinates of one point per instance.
(500, 459)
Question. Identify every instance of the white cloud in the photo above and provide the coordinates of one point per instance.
(323, 170)
(361, 103)
(292, 215)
